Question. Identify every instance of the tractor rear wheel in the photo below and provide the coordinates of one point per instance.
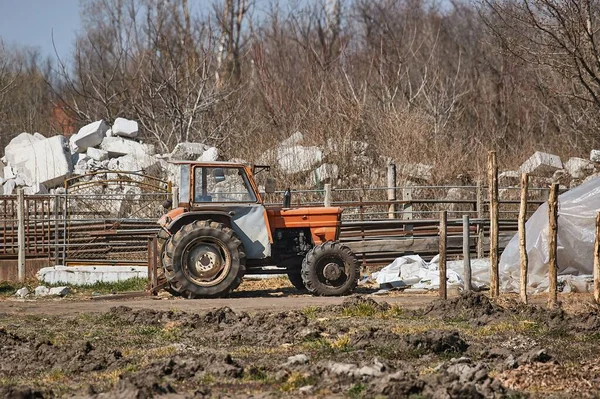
(330, 269)
(204, 259)
(162, 238)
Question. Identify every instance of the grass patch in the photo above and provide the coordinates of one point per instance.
(102, 287)
(311, 312)
(7, 289)
(297, 380)
(357, 391)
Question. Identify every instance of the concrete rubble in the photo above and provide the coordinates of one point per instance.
(188, 151)
(125, 128)
(119, 146)
(542, 164)
(90, 135)
(579, 168)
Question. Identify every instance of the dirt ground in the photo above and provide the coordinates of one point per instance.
(274, 342)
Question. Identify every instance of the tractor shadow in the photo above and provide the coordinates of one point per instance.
(287, 292)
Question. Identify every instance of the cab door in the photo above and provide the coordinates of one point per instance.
(227, 187)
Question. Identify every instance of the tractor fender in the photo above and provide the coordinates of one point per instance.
(189, 217)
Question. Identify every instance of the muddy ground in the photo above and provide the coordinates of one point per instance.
(466, 347)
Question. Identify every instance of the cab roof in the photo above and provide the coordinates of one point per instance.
(213, 163)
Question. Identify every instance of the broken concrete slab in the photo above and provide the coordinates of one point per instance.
(294, 139)
(125, 128)
(298, 158)
(59, 291)
(595, 155)
(325, 173)
(579, 168)
(8, 187)
(42, 290)
(210, 155)
(46, 162)
(9, 173)
(119, 146)
(35, 189)
(542, 164)
(97, 154)
(188, 151)
(142, 164)
(509, 178)
(18, 150)
(90, 135)
(22, 292)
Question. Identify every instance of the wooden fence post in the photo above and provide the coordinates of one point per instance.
(480, 216)
(391, 191)
(327, 200)
(597, 261)
(442, 259)
(523, 237)
(467, 253)
(21, 234)
(552, 236)
(493, 188)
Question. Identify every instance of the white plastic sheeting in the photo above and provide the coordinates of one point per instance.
(577, 210)
(412, 271)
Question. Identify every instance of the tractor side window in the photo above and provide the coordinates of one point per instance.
(221, 185)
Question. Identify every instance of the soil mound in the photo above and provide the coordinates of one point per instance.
(437, 342)
(469, 305)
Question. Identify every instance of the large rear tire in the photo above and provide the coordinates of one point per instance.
(204, 259)
(162, 239)
(330, 269)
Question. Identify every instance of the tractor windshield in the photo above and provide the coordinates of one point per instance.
(212, 184)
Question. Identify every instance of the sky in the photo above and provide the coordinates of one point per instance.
(34, 23)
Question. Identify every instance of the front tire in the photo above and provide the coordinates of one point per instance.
(204, 259)
(330, 269)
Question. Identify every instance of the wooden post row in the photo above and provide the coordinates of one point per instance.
(552, 236)
(480, 216)
(442, 259)
(493, 187)
(523, 237)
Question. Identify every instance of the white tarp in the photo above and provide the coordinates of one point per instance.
(577, 210)
(412, 271)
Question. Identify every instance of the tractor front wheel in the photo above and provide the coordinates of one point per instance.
(204, 259)
(330, 269)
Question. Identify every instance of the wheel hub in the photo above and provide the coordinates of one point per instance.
(205, 261)
(332, 271)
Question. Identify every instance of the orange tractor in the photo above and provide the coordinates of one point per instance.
(221, 231)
